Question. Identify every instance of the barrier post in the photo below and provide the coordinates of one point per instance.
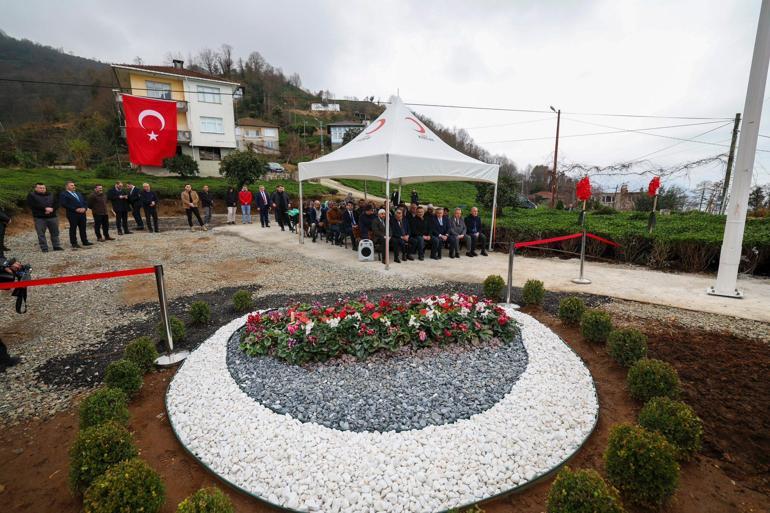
(170, 358)
(581, 280)
(511, 252)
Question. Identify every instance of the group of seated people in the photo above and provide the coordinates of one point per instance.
(412, 229)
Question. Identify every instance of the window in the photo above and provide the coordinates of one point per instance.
(607, 199)
(209, 94)
(269, 144)
(252, 132)
(270, 132)
(209, 153)
(159, 90)
(212, 125)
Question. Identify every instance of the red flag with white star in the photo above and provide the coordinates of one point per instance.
(150, 129)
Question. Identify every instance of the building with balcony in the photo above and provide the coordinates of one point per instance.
(205, 109)
(260, 136)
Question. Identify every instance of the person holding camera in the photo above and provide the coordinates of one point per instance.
(75, 205)
(10, 271)
(5, 219)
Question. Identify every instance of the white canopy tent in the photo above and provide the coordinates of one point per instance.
(398, 146)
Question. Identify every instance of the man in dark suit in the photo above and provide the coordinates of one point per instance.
(458, 233)
(439, 233)
(263, 204)
(135, 202)
(377, 233)
(281, 204)
(419, 233)
(4, 220)
(75, 205)
(399, 237)
(349, 223)
(478, 239)
(119, 199)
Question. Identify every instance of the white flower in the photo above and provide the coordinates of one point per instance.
(309, 327)
(431, 314)
(464, 312)
(413, 322)
(333, 322)
(480, 307)
(384, 320)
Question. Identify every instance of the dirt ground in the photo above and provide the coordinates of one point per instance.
(724, 379)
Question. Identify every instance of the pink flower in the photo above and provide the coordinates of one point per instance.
(423, 336)
(292, 328)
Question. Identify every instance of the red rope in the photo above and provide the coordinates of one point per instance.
(600, 239)
(81, 277)
(547, 241)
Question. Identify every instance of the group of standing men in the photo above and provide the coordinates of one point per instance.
(279, 201)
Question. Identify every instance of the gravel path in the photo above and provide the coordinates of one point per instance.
(386, 392)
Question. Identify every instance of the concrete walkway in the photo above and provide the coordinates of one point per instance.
(681, 290)
(344, 190)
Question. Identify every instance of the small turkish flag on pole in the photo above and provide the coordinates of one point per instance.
(150, 129)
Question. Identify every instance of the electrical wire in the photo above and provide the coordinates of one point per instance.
(549, 118)
(108, 86)
(678, 143)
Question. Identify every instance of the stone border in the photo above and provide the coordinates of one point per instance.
(541, 423)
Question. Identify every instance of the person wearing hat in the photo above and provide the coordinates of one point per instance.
(366, 219)
(377, 233)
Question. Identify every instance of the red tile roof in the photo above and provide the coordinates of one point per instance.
(176, 71)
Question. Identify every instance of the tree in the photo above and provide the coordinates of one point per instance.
(295, 80)
(507, 193)
(756, 198)
(208, 60)
(182, 165)
(350, 134)
(242, 167)
(81, 151)
(225, 59)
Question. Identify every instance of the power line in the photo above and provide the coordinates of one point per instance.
(678, 143)
(109, 86)
(510, 124)
(616, 131)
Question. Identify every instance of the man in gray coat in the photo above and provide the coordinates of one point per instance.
(457, 231)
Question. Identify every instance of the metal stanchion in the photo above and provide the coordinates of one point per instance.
(511, 252)
(582, 280)
(170, 358)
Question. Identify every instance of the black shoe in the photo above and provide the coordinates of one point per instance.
(140, 228)
(9, 362)
(86, 243)
(473, 254)
(58, 248)
(484, 253)
(109, 238)
(433, 257)
(44, 250)
(421, 258)
(128, 233)
(397, 260)
(468, 253)
(6, 248)
(120, 233)
(75, 246)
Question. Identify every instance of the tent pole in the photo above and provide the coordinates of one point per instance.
(494, 212)
(387, 213)
(365, 198)
(400, 180)
(301, 214)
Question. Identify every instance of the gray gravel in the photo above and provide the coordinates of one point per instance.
(387, 391)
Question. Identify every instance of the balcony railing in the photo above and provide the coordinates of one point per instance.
(182, 136)
(181, 105)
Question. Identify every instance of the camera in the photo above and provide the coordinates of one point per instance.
(23, 273)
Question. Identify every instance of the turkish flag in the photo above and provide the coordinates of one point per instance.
(150, 129)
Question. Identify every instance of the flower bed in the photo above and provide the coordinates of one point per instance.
(305, 333)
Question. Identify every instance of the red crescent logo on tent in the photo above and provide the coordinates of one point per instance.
(379, 125)
(420, 128)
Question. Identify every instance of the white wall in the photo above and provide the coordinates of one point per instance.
(224, 110)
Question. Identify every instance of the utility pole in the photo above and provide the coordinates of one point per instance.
(732, 242)
(321, 127)
(554, 185)
(730, 158)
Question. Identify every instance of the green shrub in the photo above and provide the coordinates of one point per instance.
(125, 375)
(242, 301)
(95, 450)
(627, 346)
(493, 287)
(107, 170)
(182, 165)
(128, 487)
(206, 500)
(571, 310)
(650, 378)
(642, 465)
(582, 491)
(105, 404)
(676, 421)
(533, 292)
(178, 331)
(200, 313)
(142, 352)
(595, 326)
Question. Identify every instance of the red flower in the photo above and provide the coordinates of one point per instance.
(368, 307)
(329, 310)
(502, 320)
(424, 311)
(584, 189)
(652, 189)
(376, 315)
(342, 314)
(447, 333)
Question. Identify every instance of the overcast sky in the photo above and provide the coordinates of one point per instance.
(671, 58)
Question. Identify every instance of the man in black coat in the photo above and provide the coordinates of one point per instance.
(419, 233)
(281, 204)
(75, 205)
(399, 237)
(119, 199)
(439, 233)
(263, 201)
(4, 220)
(478, 239)
(150, 203)
(135, 203)
(349, 223)
(43, 205)
(415, 197)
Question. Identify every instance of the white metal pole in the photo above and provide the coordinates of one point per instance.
(492, 224)
(301, 214)
(400, 197)
(387, 218)
(732, 243)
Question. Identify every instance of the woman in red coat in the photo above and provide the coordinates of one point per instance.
(245, 198)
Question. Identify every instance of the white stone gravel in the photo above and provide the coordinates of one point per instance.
(547, 415)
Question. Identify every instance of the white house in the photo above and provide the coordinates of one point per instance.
(205, 109)
(338, 129)
(260, 136)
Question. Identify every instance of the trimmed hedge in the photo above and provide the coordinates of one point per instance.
(571, 310)
(128, 487)
(242, 301)
(595, 326)
(650, 378)
(676, 421)
(582, 491)
(206, 500)
(103, 405)
(533, 292)
(178, 331)
(95, 450)
(142, 352)
(627, 346)
(125, 375)
(200, 313)
(642, 465)
(493, 287)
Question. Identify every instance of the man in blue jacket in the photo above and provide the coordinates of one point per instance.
(478, 239)
(439, 233)
(75, 205)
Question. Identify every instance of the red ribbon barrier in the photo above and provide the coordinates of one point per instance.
(547, 241)
(600, 239)
(81, 277)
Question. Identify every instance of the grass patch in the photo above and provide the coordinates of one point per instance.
(443, 194)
